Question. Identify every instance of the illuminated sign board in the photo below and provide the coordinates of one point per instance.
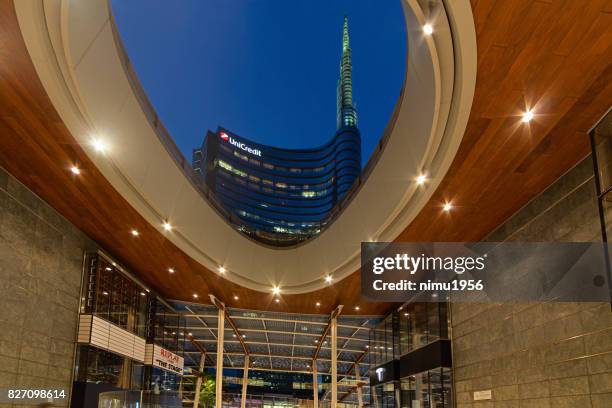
(242, 146)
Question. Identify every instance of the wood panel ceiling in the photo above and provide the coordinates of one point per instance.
(553, 57)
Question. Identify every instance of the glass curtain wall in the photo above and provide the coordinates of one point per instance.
(112, 296)
(405, 331)
(166, 329)
(421, 324)
(429, 389)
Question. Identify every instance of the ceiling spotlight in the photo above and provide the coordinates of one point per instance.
(221, 269)
(316, 341)
(190, 334)
(233, 335)
(142, 294)
(318, 304)
(421, 179)
(406, 314)
(328, 278)
(235, 297)
(356, 307)
(167, 226)
(244, 336)
(135, 232)
(171, 270)
(108, 268)
(276, 290)
(98, 145)
(367, 346)
(277, 300)
(447, 207)
(428, 29)
(75, 170)
(105, 293)
(195, 295)
(527, 116)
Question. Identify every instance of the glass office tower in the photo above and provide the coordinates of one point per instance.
(277, 196)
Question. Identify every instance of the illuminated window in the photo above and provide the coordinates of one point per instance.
(308, 193)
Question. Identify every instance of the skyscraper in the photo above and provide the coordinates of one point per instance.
(284, 196)
(347, 114)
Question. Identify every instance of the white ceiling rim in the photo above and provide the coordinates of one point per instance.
(73, 50)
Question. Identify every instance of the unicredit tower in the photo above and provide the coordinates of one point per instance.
(284, 196)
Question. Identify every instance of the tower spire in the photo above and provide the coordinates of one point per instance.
(346, 112)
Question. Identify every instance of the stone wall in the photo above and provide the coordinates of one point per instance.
(41, 258)
(539, 355)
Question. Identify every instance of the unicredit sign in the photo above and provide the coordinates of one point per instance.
(227, 138)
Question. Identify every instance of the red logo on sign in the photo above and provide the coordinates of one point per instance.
(224, 136)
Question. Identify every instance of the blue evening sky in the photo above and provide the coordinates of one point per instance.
(266, 70)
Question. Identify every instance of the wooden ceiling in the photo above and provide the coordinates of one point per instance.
(552, 57)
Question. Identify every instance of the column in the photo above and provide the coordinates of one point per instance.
(198, 387)
(334, 362)
(357, 380)
(219, 378)
(315, 385)
(245, 381)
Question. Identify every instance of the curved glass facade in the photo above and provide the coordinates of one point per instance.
(278, 196)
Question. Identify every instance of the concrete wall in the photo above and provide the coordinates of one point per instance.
(539, 355)
(40, 276)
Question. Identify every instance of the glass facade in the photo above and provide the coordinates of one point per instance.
(282, 197)
(429, 389)
(410, 358)
(279, 196)
(111, 294)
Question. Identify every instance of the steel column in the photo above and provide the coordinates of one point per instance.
(315, 385)
(334, 362)
(219, 377)
(245, 381)
(198, 387)
(359, 392)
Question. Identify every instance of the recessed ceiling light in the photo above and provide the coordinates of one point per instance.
(142, 294)
(527, 116)
(221, 269)
(406, 314)
(367, 346)
(171, 270)
(316, 341)
(108, 268)
(244, 336)
(277, 300)
(356, 307)
(190, 334)
(276, 290)
(328, 278)
(235, 297)
(167, 226)
(318, 304)
(447, 207)
(195, 295)
(99, 145)
(421, 179)
(234, 335)
(428, 29)
(75, 170)
(135, 232)
(105, 293)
